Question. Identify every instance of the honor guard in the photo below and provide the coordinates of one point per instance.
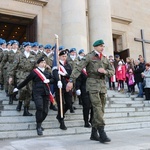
(97, 67)
(41, 78)
(64, 72)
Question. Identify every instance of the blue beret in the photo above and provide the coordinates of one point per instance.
(40, 46)
(81, 51)
(8, 43)
(2, 42)
(97, 43)
(72, 50)
(35, 44)
(61, 47)
(15, 42)
(48, 46)
(27, 44)
(23, 43)
(117, 56)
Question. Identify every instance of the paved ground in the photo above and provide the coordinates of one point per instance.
(121, 140)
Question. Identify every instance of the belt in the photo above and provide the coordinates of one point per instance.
(96, 77)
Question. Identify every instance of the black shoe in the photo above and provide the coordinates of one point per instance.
(39, 129)
(94, 134)
(87, 125)
(103, 137)
(58, 118)
(26, 112)
(72, 109)
(10, 100)
(62, 125)
(53, 107)
(18, 108)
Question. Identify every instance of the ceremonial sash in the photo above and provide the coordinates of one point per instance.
(84, 71)
(42, 77)
(62, 70)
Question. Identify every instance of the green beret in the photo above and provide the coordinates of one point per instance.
(98, 42)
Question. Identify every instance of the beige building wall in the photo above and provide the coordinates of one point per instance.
(129, 17)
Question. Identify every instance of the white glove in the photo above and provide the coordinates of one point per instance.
(46, 81)
(15, 90)
(59, 84)
(78, 92)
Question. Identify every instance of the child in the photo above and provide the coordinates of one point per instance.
(131, 81)
(120, 76)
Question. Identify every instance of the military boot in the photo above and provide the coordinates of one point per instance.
(94, 135)
(26, 112)
(39, 129)
(62, 125)
(18, 108)
(103, 137)
(10, 99)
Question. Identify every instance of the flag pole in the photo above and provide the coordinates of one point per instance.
(60, 89)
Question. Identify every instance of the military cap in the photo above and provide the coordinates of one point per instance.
(15, 42)
(48, 46)
(35, 44)
(61, 47)
(72, 50)
(40, 60)
(8, 43)
(97, 43)
(81, 51)
(27, 44)
(23, 43)
(63, 52)
(40, 46)
(2, 42)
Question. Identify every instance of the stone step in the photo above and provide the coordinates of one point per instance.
(71, 130)
(69, 123)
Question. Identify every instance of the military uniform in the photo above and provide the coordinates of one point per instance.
(96, 85)
(1, 70)
(22, 66)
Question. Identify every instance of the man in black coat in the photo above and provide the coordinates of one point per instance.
(41, 91)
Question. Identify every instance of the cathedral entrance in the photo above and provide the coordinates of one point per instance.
(118, 47)
(18, 28)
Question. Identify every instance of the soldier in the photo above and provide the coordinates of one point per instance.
(64, 71)
(40, 92)
(35, 50)
(2, 48)
(72, 61)
(41, 48)
(48, 56)
(97, 67)
(22, 66)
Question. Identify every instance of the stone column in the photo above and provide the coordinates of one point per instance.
(74, 32)
(99, 12)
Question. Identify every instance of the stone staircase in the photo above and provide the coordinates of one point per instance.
(122, 113)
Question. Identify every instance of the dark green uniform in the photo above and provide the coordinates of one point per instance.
(96, 84)
(1, 70)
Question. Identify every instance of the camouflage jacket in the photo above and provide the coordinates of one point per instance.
(22, 66)
(95, 80)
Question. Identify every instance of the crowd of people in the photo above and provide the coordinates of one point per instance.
(17, 76)
(132, 73)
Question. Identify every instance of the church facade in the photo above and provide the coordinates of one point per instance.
(123, 25)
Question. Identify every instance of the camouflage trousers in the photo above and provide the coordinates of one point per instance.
(25, 94)
(98, 101)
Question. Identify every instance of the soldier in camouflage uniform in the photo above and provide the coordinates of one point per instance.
(21, 67)
(97, 67)
(35, 51)
(4, 65)
(48, 57)
(2, 48)
(72, 61)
